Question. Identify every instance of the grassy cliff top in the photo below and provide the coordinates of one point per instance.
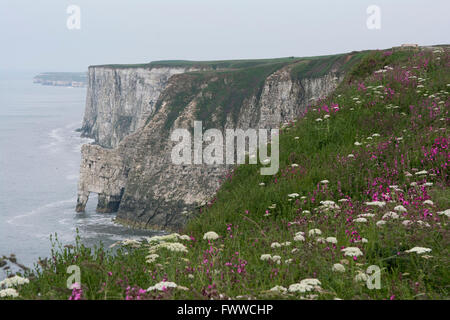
(217, 64)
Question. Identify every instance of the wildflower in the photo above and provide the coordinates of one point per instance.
(343, 200)
(14, 282)
(9, 292)
(329, 205)
(131, 242)
(286, 244)
(331, 240)
(352, 252)
(172, 246)
(420, 173)
(324, 182)
(300, 287)
(299, 237)
(279, 289)
(210, 235)
(366, 215)
(413, 184)
(418, 250)
(151, 258)
(351, 155)
(320, 240)
(357, 143)
(319, 119)
(288, 261)
(276, 259)
(168, 237)
(191, 276)
(391, 215)
(406, 222)
(294, 165)
(262, 184)
(162, 286)
(294, 250)
(361, 220)
(265, 257)
(380, 223)
(337, 267)
(293, 195)
(428, 184)
(445, 213)
(361, 277)
(305, 285)
(429, 202)
(185, 237)
(376, 203)
(275, 245)
(400, 208)
(311, 281)
(314, 232)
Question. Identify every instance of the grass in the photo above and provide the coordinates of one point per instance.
(210, 65)
(399, 119)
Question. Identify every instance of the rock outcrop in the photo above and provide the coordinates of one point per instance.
(132, 114)
(119, 100)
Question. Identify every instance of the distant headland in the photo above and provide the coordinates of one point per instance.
(63, 79)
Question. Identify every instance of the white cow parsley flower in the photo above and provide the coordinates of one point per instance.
(352, 252)
(418, 250)
(337, 267)
(210, 235)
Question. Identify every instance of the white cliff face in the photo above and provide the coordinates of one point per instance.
(119, 100)
(137, 177)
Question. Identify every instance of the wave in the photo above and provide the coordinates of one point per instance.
(37, 211)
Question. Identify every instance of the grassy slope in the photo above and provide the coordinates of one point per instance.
(413, 135)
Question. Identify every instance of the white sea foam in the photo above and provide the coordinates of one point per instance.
(37, 211)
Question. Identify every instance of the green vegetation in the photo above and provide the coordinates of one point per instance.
(366, 170)
(211, 65)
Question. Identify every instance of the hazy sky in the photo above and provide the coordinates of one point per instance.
(34, 35)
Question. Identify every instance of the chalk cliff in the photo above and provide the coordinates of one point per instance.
(120, 99)
(130, 112)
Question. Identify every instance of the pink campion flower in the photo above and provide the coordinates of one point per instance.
(77, 292)
(325, 108)
(142, 291)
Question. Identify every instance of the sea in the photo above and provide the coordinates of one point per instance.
(39, 168)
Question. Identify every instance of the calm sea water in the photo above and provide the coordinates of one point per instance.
(39, 166)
